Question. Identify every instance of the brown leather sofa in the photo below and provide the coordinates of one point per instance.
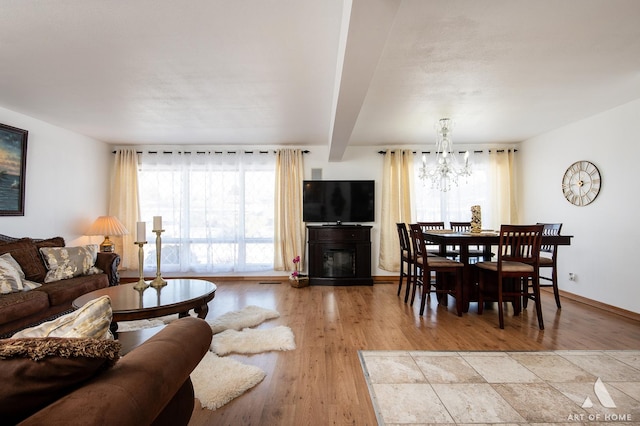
(149, 385)
(22, 309)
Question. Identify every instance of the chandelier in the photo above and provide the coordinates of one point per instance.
(447, 169)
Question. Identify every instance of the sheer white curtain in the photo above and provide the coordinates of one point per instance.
(481, 188)
(216, 207)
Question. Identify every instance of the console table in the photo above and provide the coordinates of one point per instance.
(339, 255)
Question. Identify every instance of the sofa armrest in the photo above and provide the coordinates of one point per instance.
(138, 388)
(109, 263)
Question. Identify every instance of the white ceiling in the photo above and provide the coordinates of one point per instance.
(316, 72)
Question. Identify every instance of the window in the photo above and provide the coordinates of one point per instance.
(217, 210)
(433, 205)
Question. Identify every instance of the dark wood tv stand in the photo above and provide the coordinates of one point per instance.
(339, 255)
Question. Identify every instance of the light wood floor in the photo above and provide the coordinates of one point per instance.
(321, 382)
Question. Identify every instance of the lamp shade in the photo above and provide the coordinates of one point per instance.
(107, 225)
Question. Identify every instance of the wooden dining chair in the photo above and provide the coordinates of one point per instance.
(476, 253)
(434, 249)
(430, 226)
(518, 262)
(407, 260)
(549, 261)
(448, 273)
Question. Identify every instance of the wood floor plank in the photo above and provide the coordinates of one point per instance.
(321, 382)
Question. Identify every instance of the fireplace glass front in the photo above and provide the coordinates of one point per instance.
(337, 263)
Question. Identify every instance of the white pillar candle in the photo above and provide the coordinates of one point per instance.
(141, 234)
(157, 223)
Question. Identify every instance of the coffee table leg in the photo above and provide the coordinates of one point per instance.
(113, 327)
(202, 311)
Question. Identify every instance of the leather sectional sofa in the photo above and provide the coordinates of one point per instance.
(22, 309)
(150, 385)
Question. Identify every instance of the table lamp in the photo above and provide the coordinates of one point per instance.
(107, 225)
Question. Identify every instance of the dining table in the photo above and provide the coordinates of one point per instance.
(485, 239)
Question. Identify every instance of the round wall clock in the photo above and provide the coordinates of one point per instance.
(581, 183)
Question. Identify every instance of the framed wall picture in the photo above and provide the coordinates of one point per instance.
(13, 164)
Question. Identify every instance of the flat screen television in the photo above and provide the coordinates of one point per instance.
(338, 201)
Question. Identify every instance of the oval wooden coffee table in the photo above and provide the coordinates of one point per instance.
(177, 297)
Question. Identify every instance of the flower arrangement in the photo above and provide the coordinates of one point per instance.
(296, 261)
(297, 279)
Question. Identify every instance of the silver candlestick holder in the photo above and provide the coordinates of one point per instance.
(158, 281)
(141, 284)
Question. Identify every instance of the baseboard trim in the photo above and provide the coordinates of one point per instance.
(594, 303)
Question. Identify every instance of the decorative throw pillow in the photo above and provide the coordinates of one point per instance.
(90, 321)
(36, 372)
(67, 262)
(10, 280)
(25, 252)
(7, 257)
(26, 284)
(30, 285)
(50, 242)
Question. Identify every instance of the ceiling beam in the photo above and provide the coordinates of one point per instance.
(365, 28)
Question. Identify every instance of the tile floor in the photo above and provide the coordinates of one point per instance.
(554, 387)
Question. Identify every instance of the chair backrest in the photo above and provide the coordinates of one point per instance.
(403, 235)
(520, 243)
(417, 242)
(463, 227)
(460, 226)
(550, 229)
(428, 226)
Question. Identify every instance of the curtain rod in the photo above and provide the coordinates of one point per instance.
(208, 152)
(460, 152)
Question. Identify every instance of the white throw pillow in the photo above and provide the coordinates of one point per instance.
(90, 321)
(14, 263)
(10, 280)
(30, 285)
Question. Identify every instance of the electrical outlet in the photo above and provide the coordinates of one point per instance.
(572, 276)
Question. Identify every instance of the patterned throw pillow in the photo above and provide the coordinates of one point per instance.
(30, 285)
(10, 280)
(90, 321)
(26, 284)
(68, 262)
(7, 257)
(26, 253)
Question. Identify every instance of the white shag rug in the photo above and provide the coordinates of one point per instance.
(217, 381)
(253, 341)
(146, 323)
(248, 316)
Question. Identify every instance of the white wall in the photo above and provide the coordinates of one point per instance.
(603, 251)
(67, 182)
